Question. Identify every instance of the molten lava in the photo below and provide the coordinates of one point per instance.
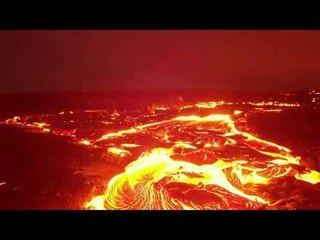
(185, 157)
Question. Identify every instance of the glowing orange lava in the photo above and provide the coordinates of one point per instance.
(202, 160)
(152, 181)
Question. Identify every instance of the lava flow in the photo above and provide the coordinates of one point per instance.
(197, 156)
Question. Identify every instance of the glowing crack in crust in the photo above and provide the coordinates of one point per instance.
(187, 161)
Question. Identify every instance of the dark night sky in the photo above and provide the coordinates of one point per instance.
(105, 60)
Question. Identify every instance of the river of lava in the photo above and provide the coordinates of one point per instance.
(179, 161)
